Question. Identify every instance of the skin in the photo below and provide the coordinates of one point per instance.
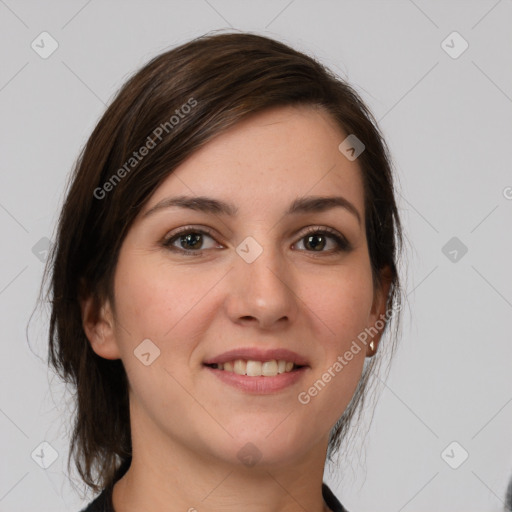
(187, 425)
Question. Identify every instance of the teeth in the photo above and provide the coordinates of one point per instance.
(253, 369)
(257, 368)
(239, 367)
(268, 368)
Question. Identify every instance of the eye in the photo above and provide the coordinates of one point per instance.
(189, 241)
(317, 239)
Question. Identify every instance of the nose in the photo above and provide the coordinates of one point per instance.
(262, 292)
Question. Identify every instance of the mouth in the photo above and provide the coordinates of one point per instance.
(253, 368)
(258, 371)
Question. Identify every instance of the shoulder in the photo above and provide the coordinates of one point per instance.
(100, 503)
(103, 502)
(331, 500)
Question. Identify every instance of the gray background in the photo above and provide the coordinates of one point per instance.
(448, 124)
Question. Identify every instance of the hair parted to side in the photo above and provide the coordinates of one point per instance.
(187, 95)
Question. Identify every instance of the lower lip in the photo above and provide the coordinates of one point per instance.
(259, 385)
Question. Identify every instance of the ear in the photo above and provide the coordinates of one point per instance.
(98, 324)
(378, 319)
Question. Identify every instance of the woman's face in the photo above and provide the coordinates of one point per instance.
(257, 286)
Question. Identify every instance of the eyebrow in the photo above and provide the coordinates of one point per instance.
(311, 204)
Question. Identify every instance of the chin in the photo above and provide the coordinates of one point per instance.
(269, 447)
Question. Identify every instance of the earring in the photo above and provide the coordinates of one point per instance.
(372, 346)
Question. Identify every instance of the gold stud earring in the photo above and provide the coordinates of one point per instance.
(372, 346)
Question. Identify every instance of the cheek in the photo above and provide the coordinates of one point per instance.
(151, 301)
(340, 307)
(171, 307)
(342, 302)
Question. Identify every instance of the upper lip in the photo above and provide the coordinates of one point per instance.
(258, 354)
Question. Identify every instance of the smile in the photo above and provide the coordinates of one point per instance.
(253, 368)
(258, 377)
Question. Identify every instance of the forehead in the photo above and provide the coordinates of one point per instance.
(268, 160)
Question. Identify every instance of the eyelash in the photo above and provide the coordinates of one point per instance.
(342, 244)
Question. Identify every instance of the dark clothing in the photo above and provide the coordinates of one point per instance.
(103, 503)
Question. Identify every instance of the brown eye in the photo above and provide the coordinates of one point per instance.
(190, 241)
(317, 240)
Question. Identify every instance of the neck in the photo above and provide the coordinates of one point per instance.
(178, 478)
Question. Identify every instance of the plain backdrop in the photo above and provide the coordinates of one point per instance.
(438, 77)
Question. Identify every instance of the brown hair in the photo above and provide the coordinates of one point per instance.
(175, 104)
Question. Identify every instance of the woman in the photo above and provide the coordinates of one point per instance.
(224, 269)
